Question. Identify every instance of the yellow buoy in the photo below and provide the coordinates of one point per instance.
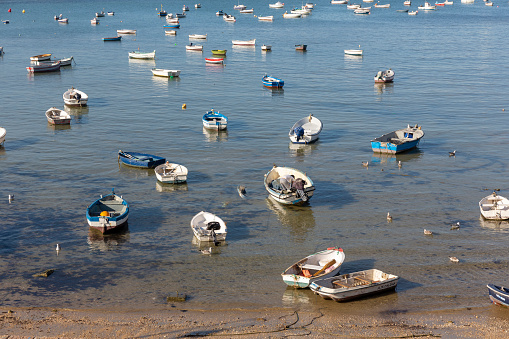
(184, 106)
(23, 11)
(105, 214)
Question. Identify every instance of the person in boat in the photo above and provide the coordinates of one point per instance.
(77, 96)
(287, 181)
(298, 186)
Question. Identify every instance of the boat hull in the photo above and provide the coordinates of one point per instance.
(498, 295)
(69, 100)
(272, 82)
(165, 72)
(312, 127)
(3, 132)
(244, 42)
(219, 51)
(171, 173)
(116, 38)
(202, 233)
(288, 197)
(41, 68)
(214, 120)
(494, 207)
(117, 213)
(56, 116)
(138, 55)
(140, 160)
(214, 60)
(398, 141)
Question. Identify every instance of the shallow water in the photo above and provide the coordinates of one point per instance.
(450, 78)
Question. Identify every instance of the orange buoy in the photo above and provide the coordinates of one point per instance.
(184, 106)
(105, 214)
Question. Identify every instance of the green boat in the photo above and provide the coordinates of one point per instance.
(219, 51)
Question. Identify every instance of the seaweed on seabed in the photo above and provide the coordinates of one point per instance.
(44, 274)
(176, 297)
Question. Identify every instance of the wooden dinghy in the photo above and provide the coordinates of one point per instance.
(354, 285)
(41, 57)
(398, 141)
(288, 185)
(56, 116)
(108, 214)
(208, 227)
(319, 265)
(494, 207)
(272, 82)
(140, 160)
(306, 130)
(74, 97)
(171, 173)
(219, 51)
(214, 60)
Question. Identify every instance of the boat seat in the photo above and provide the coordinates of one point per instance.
(363, 280)
(337, 283)
(311, 267)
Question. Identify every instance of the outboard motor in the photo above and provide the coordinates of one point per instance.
(299, 187)
(213, 226)
(299, 132)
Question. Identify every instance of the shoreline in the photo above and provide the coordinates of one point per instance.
(485, 322)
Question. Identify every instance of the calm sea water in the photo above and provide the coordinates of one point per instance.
(450, 78)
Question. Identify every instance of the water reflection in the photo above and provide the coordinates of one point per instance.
(494, 225)
(208, 247)
(164, 82)
(293, 296)
(78, 113)
(384, 158)
(160, 187)
(275, 92)
(299, 150)
(53, 76)
(52, 127)
(299, 219)
(134, 172)
(381, 88)
(100, 242)
(141, 64)
(214, 135)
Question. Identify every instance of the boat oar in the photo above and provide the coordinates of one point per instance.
(327, 265)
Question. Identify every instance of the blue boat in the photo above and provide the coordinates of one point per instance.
(499, 295)
(214, 120)
(272, 82)
(108, 213)
(115, 38)
(398, 141)
(140, 160)
(171, 26)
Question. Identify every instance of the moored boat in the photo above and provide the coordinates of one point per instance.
(74, 97)
(66, 61)
(384, 76)
(301, 47)
(228, 17)
(111, 13)
(214, 60)
(44, 67)
(99, 14)
(114, 38)
(63, 21)
(354, 285)
(287, 15)
(56, 116)
(306, 130)
(288, 185)
(193, 47)
(362, 11)
(407, 3)
(320, 265)
(165, 72)
(142, 55)
(499, 295)
(377, 5)
(244, 42)
(185, 8)
(41, 57)
(398, 141)
(219, 51)
(278, 4)
(3, 132)
(272, 82)
(357, 52)
(266, 48)
(170, 32)
(208, 227)
(171, 26)
(214, 120)
(197, 5)
(94, 21)
(246, 11)
(140, 160)
(239, 7)
(266, 18)
(427, 7)
(171, 173)
(126, 31)
(108, 214)
(494, 207)
(413, 12)
(198, 36)
(339, 2)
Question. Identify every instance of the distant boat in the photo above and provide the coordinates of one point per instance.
(162, 12)
(171, 173)
(306, 130)
(413, 12)
(272, 82)
(197, 5)
(140, 160)
(362, 11)
(63, 21)
(357, 52)
(228, 17)
(214, 120)
(3, 132)
(266, 18)
(126, 31)
(99, 14)
(384, 76)
(41, 57)
(172, 20)
(65, 61)
(244, 42)
(447, 2)
(170, 32)
(108, 214)
(427, 7)
(398, 141)
(115, 38)
(94, 21)
(246, 11)
(287, 15)
(402, 10)
(219, 51)
(301, 47)
(111, 13)
(407, 3)
(180, 15)
(198, 36)
(353, 6)
(74, 97)
(171, 26)
(354, 285)
(5, 21)
(382, 6)
(239, 7)
(494, 207)
(310, 5)
(56, 116)
(214, 60)
(320, 265)
(165, 72)
(208, 227)
(499, 295)
(278, 4)
(488, 3)
(338, 2)
(142, 55)
(266, 48)
(220, 13)
(44, 67)
(280, 189)
(192, 47)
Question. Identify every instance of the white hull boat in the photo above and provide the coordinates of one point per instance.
(230, 18)
(160, 72)
(107, 214)
(354, 285)
(494, 207)
(384, 76)
(266, 18)
(142, 55)
(56, 116)
(244, 42)
(170, 32)
(320, 265)
(247, 11)
(198, 36)
(214, 120)
(278, 4)
(74, 97)
(287, 15)
(208, 227)
(171, 173)
(284, 189)
(413, 12)
(357, 52)
(306, 130)
(192, 47)
(3, 132)
(266, 47)
(41, 57)
(126, 31)
(427, 7)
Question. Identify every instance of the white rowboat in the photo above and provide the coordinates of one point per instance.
(494, 207)
(56, 116)
(208, 227)
(165, 72)
(244, 42)
(171, 173)
(142, 55)
(74, 97)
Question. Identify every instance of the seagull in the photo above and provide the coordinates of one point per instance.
(399, 164)
(389, 217)
(241, 190)
(428, 232)
(365, 163)
(58, 248)
(11, 197)
(452, 154)
(455, 226)
(454, 259)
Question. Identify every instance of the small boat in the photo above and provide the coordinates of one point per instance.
(319, 265)
(56, 116)
(353, 6)
(214, 120)
(56, 17)
(185, 8)
(74, 97)
(198, 36)
(171, 26)
(172, 20)
(413, 12)
(278, 4)
(402, 10)
(301, 47)
(488, 3)
(197, 5)
(306, 130)
(208, 227)
(3, 132)
(44, 67)
(427, 7)
(377, 5)
(228, 17)
(384, 76)
(192, 47)
(66, 61)
(1, 51)
(266, 48)
(219, 51)
(310, 5)
(140, 160)
(338, 2)
(108, 214)
(180, 15)
(442, 4)
(160, 72)
(288, 185)
(171, 173)
(272, 82)
(287, 15)
(246, 11)
(111, 13)
(354, 285)
(94, 21)
(499, 295)
(126, 31)
(162, 12)
(494, 207)
(362, 11)
(220, 13)
(214, 60)
(171, 32)
(99, 14)
(142, 55)
(447, 2)
(114, 38)
(239, 7)
(407, 3)
(266, 18)
(303, 11)
(5, 22)
(41, 57)
(244, 42)
(63, 21)
(398, 141)
(357, 52)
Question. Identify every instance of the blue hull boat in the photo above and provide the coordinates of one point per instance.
(116, 38)
(499, 295)
(214, 120)
(140, 160)
(272, 82)
(171, 26)
(108, 214)
(398, 141)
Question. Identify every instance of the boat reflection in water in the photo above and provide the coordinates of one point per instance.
(160, 187)
(208, 247)
(299, 150)
(135, 172)
(107, 242)
(293, 296)
(494, 225)
(78, 114)
(387, 158)
(384, 87)
(52, 127)
(274, 91)
(215, 135)
(299, 219)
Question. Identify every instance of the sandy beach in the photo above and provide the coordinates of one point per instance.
(486, 322)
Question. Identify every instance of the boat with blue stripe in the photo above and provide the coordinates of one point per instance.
(499, 295)
(108, 213)
(140, 160)
(272, 82)
(398, 141)
(214, 120)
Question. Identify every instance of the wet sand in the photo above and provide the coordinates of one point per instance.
(486, 322)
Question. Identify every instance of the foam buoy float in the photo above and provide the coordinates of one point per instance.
(23, 11)
(184, 106)
(9, 10)
(105, 214)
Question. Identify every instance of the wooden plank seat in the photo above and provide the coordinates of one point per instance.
(311, 267)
